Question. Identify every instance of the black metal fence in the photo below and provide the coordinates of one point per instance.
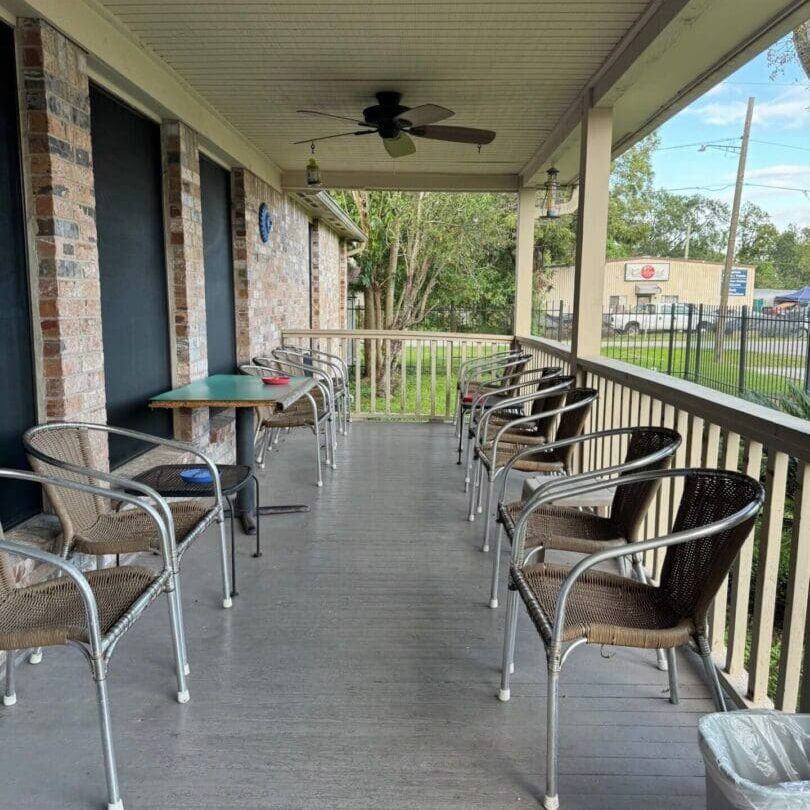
(738, 351)
(484, 318)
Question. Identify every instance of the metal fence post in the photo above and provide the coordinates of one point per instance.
(699, 344)
(743, 349)
(671, 339)
(560, 323)
(688, 346)
(807, 388)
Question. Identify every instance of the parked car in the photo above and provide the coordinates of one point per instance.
(659, 318)
(786, 324)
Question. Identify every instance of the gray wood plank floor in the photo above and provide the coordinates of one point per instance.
(357, 669)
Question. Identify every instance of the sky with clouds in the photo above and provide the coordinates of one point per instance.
(779, 153)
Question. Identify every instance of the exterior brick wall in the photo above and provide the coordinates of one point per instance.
(184, 238)
(271, 278)
(328, 282)
(58, 171)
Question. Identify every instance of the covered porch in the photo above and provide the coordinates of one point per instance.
(359, 665)
(358, 668)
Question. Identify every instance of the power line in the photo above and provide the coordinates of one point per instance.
(730, 185)
(696, 143)
(782, 145)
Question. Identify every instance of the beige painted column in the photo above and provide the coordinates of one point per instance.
(594, 177)
(524, 260)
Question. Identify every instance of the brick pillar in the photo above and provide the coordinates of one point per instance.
(182, 203)
(58, 172)
(315, 273)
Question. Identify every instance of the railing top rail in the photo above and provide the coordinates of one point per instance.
(395, 334)
(772, 428)
(553, 347)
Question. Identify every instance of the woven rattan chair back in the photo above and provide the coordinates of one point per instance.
(572, 422)
(630, 503)
(258, 370)
(553, 402)
(76, 510)
(6, 575)
(693, 572)
(514, 372)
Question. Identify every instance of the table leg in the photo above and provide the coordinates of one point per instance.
(245, 454)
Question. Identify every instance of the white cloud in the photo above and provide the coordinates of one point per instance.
(789, 109)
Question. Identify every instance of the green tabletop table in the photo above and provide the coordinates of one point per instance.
(245, 393)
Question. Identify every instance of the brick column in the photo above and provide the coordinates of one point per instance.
(59, 185)
(182, 203)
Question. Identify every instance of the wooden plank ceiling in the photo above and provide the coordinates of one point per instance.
(513, 66)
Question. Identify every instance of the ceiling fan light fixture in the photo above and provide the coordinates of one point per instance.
(552, 193)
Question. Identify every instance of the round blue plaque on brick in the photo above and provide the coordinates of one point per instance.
(265, 222)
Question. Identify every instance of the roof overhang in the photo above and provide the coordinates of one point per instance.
(320, 205)
(236, 73)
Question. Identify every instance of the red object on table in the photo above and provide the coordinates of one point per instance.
(467, 398)
(276, 380)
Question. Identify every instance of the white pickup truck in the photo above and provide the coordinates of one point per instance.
(658, 318)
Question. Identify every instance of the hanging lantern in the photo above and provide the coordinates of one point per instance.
(313, 170)
(552, 189)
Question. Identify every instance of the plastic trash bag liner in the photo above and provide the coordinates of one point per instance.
(758, 760)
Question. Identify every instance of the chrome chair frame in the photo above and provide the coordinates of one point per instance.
(100, 647)
(319, 420)
(217, 514)
(554, 485)
(515, 404)
(558, 651)
(333, 363)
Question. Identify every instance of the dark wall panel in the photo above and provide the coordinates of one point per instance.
(215, 190)
(134, 302)
(17, 409)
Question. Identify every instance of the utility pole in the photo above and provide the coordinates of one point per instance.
(719, 334)
(687, 240)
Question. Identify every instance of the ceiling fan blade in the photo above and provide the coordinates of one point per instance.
(400, 146)
(455, 134)
(330, 115)
(339, 135)
(424, 114)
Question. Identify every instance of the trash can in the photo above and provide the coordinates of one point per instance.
(756, 760)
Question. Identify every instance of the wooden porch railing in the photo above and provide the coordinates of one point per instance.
(758, 664)
(401, 375)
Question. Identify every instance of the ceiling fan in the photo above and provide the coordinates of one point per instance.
(395, 124)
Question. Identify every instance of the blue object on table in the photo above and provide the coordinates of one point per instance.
(198, 475)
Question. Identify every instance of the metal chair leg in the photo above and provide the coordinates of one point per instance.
(708, 662)
(474, 491)
(510, 630)
(551, 800)
(178, 639)
(35, 657)
(641, 575)
(265, 441)
(110, 769)
(488, 512)
(10, 692)
(479, 501)
(223, 551)
(672, 668)
(468, 462)
(496, 568)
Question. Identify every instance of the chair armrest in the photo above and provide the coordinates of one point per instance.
(147, 438)
(164, 523)
(317, 373)
(560, 486)
(674, 539)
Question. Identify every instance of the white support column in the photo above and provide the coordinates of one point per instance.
(524, 260)
(594, 177)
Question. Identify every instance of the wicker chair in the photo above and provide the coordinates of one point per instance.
(482, 374)
(501, 410)
(574, 606)
(476, 404)
(313, 410)
(496, 444)
(566, 528)
(89, 611)
(333, 365)
(65, 449)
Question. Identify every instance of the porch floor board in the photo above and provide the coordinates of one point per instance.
(357, 670)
